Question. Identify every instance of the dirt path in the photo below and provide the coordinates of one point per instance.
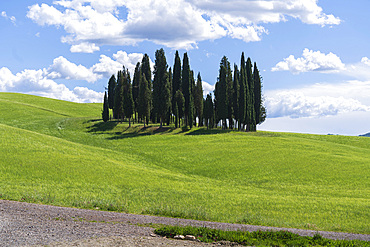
(25, 224)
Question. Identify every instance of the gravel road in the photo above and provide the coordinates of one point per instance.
(26, 224)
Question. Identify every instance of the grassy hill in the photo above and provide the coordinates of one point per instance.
(61, 153)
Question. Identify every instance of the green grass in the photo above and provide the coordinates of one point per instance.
(257, 238)
(60, 153)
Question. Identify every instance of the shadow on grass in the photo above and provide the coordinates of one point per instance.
(102, 126)
(209, 132)
(136, 130)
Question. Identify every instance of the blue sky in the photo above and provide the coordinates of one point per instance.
(314, 56)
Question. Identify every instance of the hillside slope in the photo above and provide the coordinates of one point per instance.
(60, 153)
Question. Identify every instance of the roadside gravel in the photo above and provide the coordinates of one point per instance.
(26, 224)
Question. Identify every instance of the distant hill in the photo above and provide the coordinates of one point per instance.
(367, 135)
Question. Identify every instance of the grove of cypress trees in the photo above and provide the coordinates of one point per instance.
(161, 87)
(105, 112)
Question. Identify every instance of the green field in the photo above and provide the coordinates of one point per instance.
(61, 153)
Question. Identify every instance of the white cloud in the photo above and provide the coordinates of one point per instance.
(319, 100)
(86, 95)
(176, 24)
(311, 61)
(207, 88)
(34, 82)
(84, 47)
(316, 61)
(350, 123)
(365, 61)
(360, 70)
(108, 66)
(42, 82)
(62, 68)
(11, 18)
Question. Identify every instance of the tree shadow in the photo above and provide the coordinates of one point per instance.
(209, 132)
(102, 126)
(139, 131)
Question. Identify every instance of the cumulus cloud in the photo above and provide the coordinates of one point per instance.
(35, 82)
(84, 47)
(176, 24)
(319, 100)
(62, 68)
(108, 66)
(316, 61)
(207, 88)
(311, 61)
(42, 82)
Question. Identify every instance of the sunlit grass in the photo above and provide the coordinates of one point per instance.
(59, 153)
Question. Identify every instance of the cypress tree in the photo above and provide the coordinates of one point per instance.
(180, 103)
(208, 111)
(257, 94)
(242, 93)
(146, 70)
(176, 77)
(170, 109)
(236, 89)
(230, 94)
(111, 86)
(105, 112)
(118, 96)
(128, 101)
(250, 117)
(191, 100)
(186, 87)
(198, 99)
(161, 87)
(144, 100)
(135, 86)
(221, 91)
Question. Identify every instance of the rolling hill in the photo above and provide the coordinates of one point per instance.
(61, 153)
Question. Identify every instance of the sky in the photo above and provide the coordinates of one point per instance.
(313, 56)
